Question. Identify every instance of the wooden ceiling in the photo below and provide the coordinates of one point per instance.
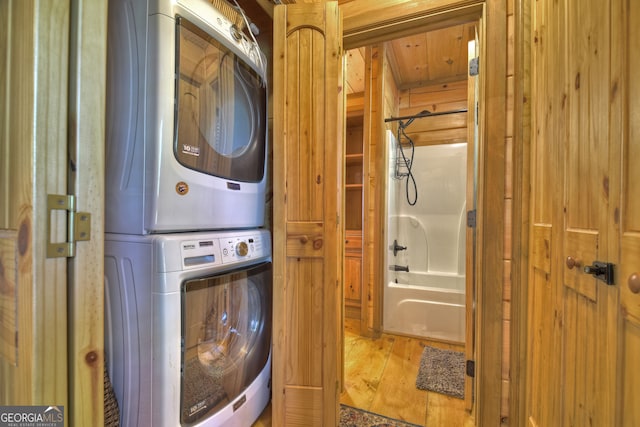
(430, 58)
(435, 57)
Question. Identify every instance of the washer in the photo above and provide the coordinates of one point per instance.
(188, 327)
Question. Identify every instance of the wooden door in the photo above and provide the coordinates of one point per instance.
(626, 39)
(587, 306)
(583, 332)
(307, 258)
(33, 297)
(543, 360)
(52, 124)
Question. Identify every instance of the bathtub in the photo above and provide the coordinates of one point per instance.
(425, 304)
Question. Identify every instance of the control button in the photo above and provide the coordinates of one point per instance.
(242, 248)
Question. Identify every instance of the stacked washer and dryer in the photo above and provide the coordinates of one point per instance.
(188, 278)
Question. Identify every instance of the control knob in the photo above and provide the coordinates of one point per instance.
(242, 248)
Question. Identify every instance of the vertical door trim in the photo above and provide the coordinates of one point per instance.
(87, 95)
(520, 256)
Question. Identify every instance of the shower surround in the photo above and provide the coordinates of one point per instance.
(424, 293)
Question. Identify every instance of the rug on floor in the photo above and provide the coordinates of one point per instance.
(441, 371)
(353, 417)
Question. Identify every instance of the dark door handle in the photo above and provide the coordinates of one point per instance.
(601, 271)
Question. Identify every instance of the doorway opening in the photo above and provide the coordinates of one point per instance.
(386, 324)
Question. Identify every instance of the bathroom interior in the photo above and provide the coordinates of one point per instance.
(426, 168)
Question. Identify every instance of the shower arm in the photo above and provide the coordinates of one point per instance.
(424, 113)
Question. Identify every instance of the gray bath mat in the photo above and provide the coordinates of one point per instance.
(441, 371)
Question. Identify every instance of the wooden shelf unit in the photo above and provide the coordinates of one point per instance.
(354, 173)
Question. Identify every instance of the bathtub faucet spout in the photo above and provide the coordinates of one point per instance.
(395, 267)
(396, 248)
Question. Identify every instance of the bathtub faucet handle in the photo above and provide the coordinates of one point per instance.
(396, 248)
(395, 267)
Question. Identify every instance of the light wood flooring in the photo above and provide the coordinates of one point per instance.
(380, 375)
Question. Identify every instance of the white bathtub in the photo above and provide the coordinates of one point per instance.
(426, 304)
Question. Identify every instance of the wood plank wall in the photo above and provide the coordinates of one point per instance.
(447, 129)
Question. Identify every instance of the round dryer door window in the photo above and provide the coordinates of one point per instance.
(221, 114)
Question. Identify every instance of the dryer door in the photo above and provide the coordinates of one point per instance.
(226, 331)
(221, 114)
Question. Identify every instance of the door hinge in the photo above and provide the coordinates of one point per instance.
(471, 219)
(471, 368)
(78, 226)
(474, 66)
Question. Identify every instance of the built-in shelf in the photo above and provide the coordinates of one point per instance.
(354, 168)
(354, 159)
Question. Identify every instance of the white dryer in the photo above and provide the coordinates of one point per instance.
(186, 137)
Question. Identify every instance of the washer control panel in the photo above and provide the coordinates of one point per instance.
(236, 248)
(225, 248)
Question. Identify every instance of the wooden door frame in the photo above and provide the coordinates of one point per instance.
(362, 25)
(521, 214)
(86, 146)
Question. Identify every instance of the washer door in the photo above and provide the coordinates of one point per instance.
(221, 115)
(226, 330)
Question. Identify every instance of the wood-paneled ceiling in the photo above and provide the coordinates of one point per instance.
(424, 59)
(435, 57)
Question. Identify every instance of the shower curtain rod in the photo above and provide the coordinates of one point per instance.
(425, 113)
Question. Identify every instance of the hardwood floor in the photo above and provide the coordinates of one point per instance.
(265, 418)
(380, 377)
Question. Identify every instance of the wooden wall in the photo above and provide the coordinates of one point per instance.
(446, 129)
